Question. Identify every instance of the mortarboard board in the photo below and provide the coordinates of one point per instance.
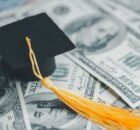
(48, 41)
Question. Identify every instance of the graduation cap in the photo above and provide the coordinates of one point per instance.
(48, 41)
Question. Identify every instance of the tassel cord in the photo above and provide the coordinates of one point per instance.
(110, 117)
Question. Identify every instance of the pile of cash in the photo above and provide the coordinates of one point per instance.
(104, 67)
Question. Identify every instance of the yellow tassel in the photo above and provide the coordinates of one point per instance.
(110, 117)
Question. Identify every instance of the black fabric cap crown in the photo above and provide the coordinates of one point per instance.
(47, 41)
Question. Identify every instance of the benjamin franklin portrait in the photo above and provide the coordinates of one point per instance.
(95, 34)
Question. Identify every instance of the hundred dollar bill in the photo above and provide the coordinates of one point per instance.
(11, 10)
(131, 4)
(106, 48)
(124, 14)
(128, 17)
(13, 113)
(104, 94)
(63, 9)
(8, 6)
(46, 111)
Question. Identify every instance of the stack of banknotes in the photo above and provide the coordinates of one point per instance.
(104, 67)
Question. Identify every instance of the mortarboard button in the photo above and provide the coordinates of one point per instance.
(47, 42)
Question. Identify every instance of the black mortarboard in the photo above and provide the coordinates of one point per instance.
(47, 41)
